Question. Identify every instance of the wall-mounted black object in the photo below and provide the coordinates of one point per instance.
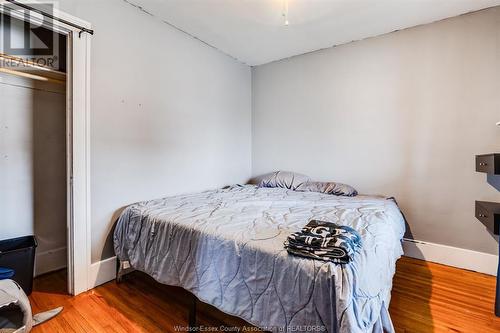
(19, 254)
(489, 212)
(489, 163)
(489, 215)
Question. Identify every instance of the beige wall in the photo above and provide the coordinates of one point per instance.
(169, 114)
(401, 114)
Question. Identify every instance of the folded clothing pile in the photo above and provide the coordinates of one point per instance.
(325, 241)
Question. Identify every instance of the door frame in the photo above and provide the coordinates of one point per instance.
(77, 139)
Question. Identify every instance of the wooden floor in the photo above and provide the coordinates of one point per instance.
(426, 298)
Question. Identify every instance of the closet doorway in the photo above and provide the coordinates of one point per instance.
(44, 136)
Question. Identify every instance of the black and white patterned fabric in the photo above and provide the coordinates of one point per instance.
(325, 241)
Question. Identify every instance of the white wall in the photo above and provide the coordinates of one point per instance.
(33, 166)
(16, 162)
(169, 114)
(401, 114)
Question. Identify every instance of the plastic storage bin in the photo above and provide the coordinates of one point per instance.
(19, 254)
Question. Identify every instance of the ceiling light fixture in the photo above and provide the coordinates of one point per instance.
(285, 12)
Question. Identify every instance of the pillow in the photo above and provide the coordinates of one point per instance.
(284, 179)
(328, 188)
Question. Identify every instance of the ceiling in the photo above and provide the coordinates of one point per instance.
(253, 31)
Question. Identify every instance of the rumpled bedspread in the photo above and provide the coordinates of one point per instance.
(226, 247)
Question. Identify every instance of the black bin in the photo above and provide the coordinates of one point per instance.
(19, 254)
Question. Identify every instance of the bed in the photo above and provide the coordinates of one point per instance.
(226, 247)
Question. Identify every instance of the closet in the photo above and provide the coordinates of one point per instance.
(33, 141)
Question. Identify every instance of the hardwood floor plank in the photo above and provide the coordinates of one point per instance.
(426, 297)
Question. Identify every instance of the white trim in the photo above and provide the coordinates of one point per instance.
(78, 114)
(51, 260)
(451, 256)
(102, 272)
(79, 230)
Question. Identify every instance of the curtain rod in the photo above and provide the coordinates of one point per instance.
(50, 16)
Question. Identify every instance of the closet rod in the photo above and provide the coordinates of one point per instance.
(40, 73)
(30, 76)
(50, 16)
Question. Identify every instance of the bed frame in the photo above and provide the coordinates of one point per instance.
(123, 268)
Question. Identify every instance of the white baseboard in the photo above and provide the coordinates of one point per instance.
(451, 256)
(102, 272)
(49, 261)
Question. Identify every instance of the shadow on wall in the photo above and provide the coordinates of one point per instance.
(102, 274)
(108, 245)
(494, 180)
(49, 175)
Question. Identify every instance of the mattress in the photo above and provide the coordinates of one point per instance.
(226, 247)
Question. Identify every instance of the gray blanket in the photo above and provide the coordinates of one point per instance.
(226, 247)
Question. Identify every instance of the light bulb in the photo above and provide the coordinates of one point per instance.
(285, 12)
